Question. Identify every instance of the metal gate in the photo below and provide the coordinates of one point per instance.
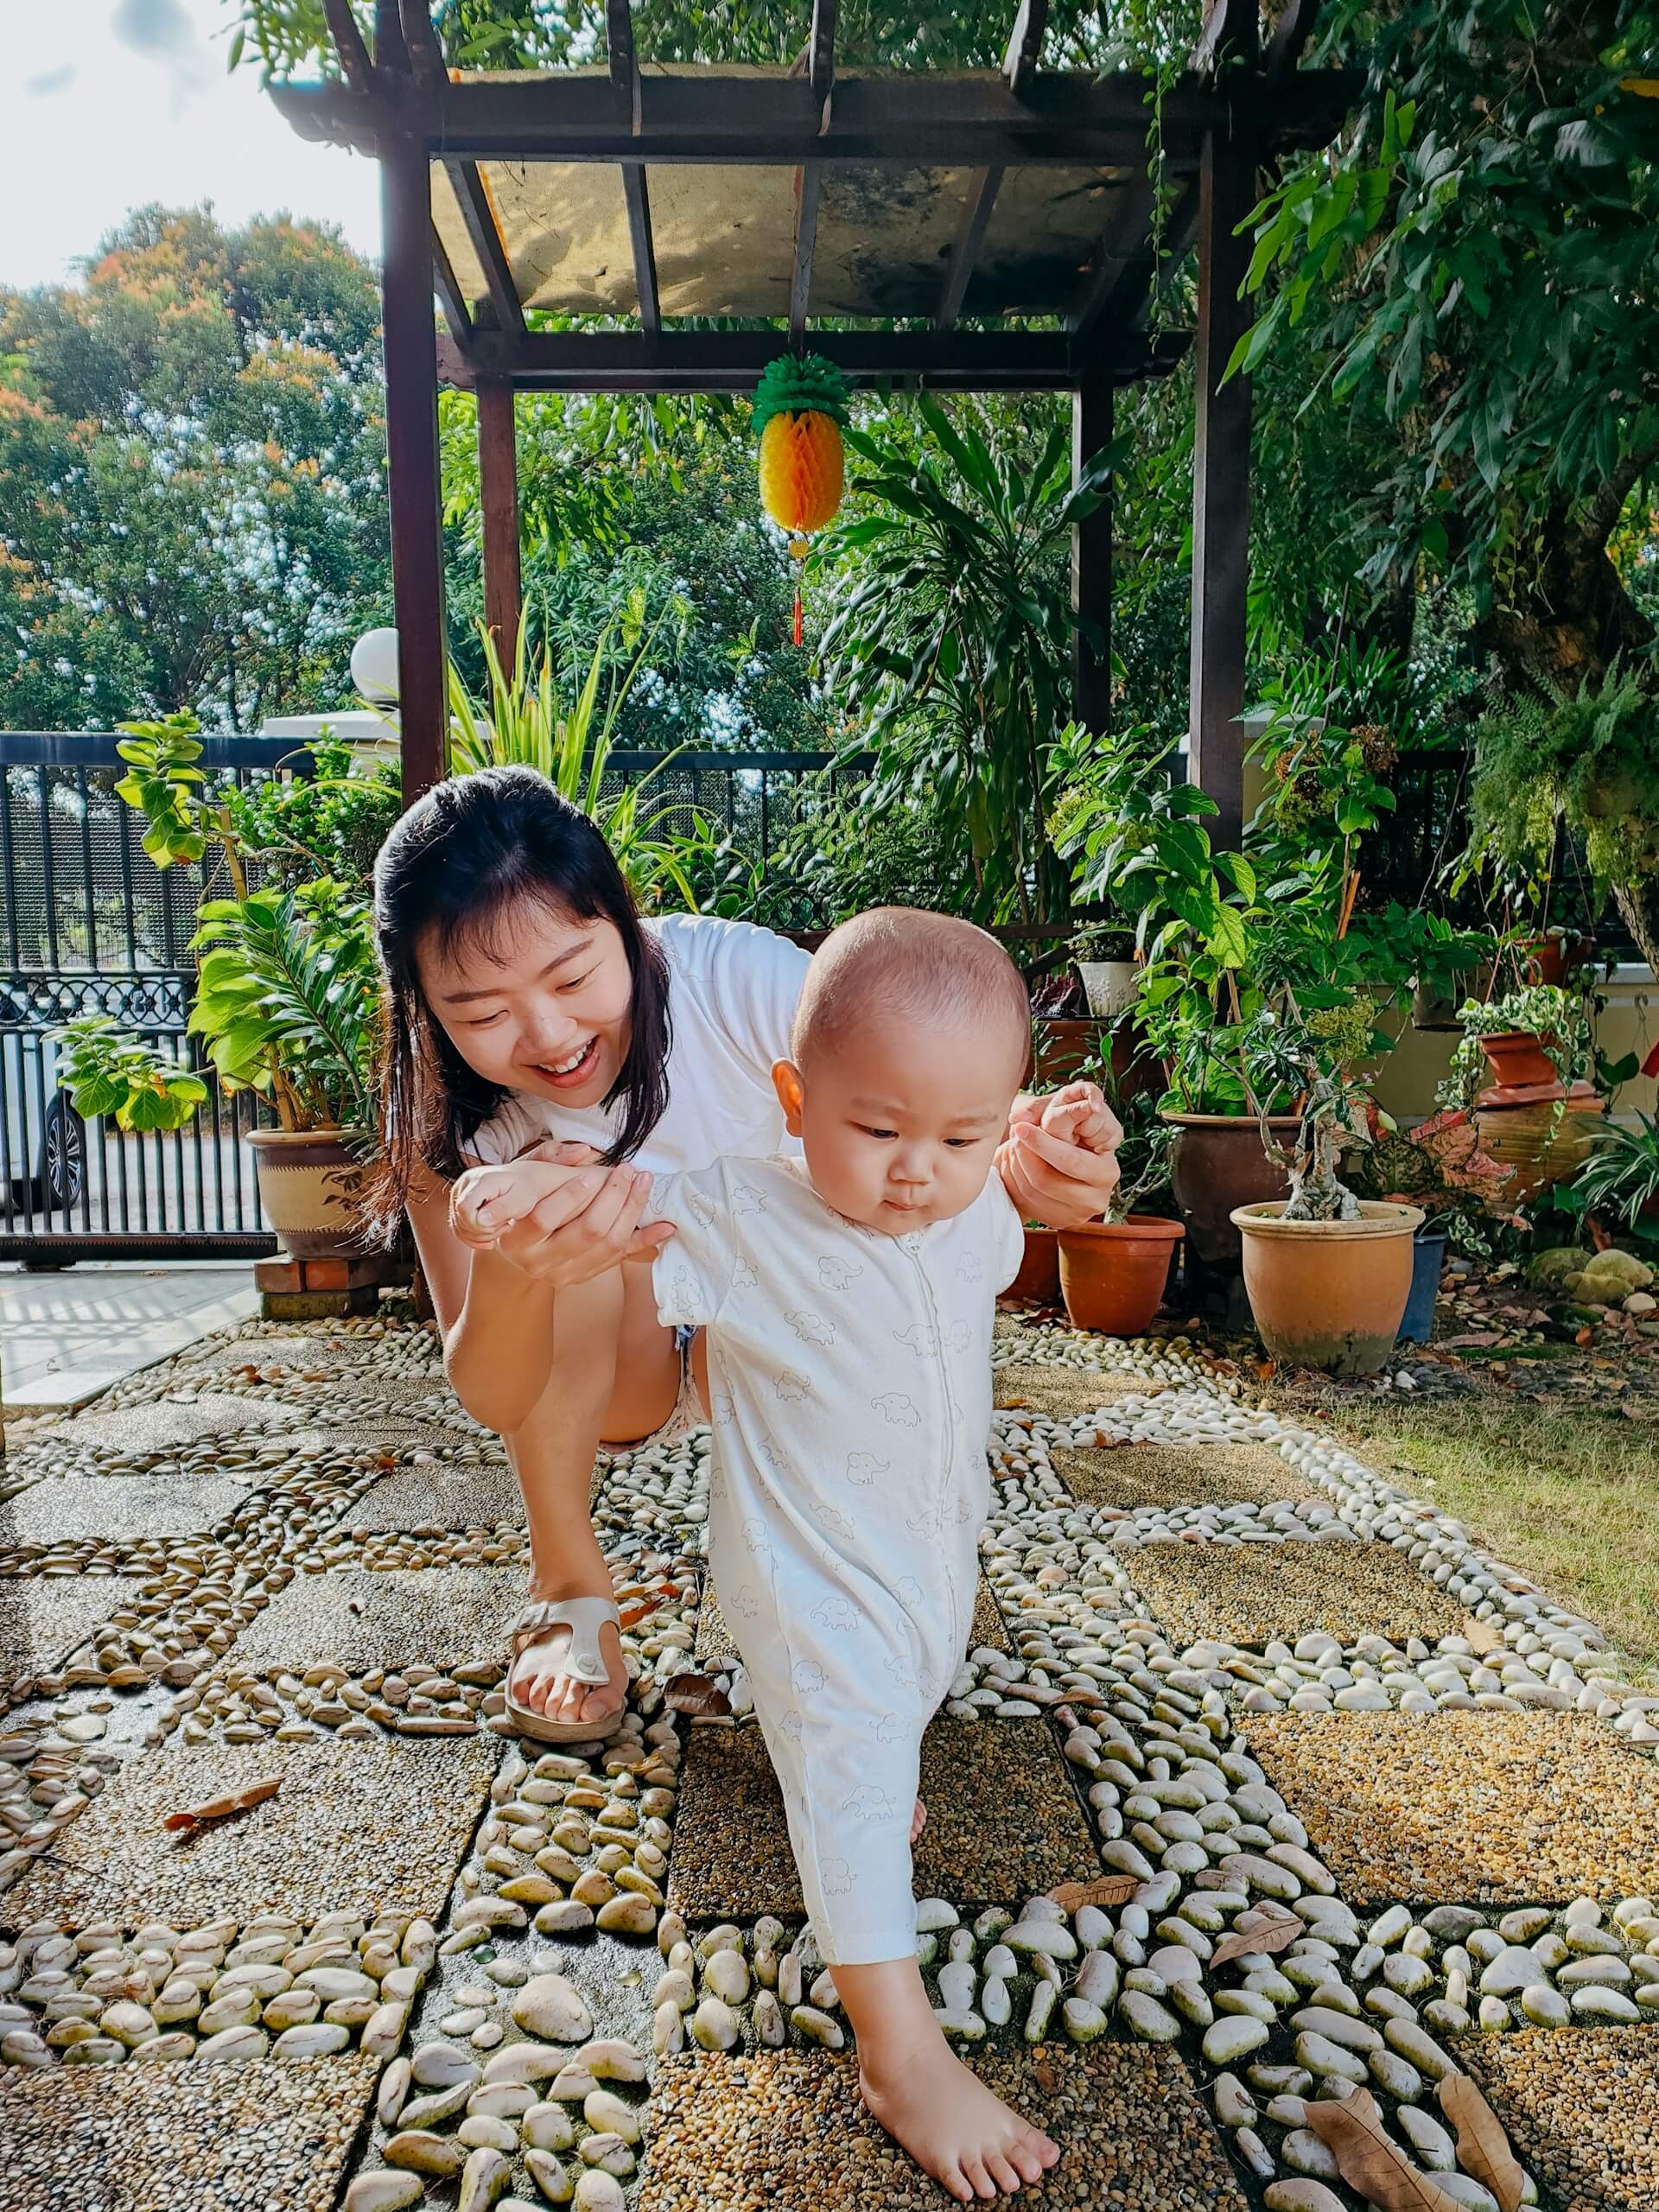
(89, 925)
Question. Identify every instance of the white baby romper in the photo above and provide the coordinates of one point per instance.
(851, 1375)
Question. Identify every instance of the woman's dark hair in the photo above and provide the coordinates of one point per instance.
(448, 875)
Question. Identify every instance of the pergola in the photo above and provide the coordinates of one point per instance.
(972, 231)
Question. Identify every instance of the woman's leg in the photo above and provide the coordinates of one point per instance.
(615, 1374)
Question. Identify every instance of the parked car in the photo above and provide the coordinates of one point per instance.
(45, 1155)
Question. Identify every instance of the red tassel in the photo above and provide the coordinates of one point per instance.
(798, 615)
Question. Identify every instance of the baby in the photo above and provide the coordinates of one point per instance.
(848, 1298)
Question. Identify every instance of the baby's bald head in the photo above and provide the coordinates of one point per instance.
(900, 965)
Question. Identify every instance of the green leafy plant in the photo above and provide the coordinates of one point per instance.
(1558, 1018)
(1440, 1166)
(953, 627)
(138, 1085)
(1584, 764)
(562, 721)
(1620, 1178)
(287, 1001)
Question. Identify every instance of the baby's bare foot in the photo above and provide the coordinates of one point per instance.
(954, 2127)
(917, 1822)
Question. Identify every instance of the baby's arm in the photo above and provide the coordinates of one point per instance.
(485, 1201)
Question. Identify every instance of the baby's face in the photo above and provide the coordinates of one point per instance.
(901, 1127)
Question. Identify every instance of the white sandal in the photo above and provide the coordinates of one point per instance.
(582, 1661)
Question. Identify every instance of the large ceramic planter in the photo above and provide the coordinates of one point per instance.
(308, 1191)
(1517, 1058)
(1216, 1163)
(1040, 1271)
(1541, 1141)
(1329, 1294)
(1113, 1272)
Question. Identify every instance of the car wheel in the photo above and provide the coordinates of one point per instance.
(63, 1155)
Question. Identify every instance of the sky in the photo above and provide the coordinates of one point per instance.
(107, 105)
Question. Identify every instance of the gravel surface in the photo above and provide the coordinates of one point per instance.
(1064, 1392)
(1581, 2110)
(440, 1497)
(1464, 1807)
(1002, 1821)
(123, 1507)
(1158, 1474)
(378, 1827)
(189, 2137)
(41, 1622)
(442, 1617)
(1252, 1594)
(785, 2132)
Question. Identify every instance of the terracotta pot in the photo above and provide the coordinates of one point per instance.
(1541, 1141)
(307, 1191)
(1040, 1271)
(1329, 1294)
(1113, 1272)
(1552, 959)
(1517, 1058)
(1064, 1048)
(1217, 1164)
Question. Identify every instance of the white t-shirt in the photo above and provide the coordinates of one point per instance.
(732, 993)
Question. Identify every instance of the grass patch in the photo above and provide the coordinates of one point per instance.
(1564, 1494)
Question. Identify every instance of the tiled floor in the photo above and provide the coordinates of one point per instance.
(64, 1335)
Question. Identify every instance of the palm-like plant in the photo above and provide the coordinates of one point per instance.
(560, 719)
(957, 630)
(286, 1001)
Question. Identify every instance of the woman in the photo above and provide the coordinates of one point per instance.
(529, 1004)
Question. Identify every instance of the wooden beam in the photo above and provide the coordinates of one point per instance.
(821, 58)
(456, 312)
(1221, 486)
(411, 373)
(479, 218)
(355, 65)
(426, 62)
(454, 368)
(624, 59)
(1120, 270)
(982, 198)
(1091, 563)
(497, 490)
(734, 360)
(1293, 27)
(390, 51)
(1025, 46)
(636, 194)
(809, 190)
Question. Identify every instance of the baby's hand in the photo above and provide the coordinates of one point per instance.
(1064, 1116)
(486, 1201)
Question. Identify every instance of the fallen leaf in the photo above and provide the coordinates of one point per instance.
(1482, 1638)
(1265, 1927)
(221, 1809)
(1482, 2148)
(1105, 1889)
(1478, 1340)
(1368, 2161)
(1043, 2072)
(696, 1694)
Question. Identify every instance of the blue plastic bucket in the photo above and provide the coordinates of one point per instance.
(1428, 1257)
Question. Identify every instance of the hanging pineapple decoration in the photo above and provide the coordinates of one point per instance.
(799, 407)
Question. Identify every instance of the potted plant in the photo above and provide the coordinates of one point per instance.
(1537, 1035)
(1327, 1273)
(1114, 1272)
(1620, 1179)
(1439, 1167)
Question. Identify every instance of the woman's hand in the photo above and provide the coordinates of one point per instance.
(1057, 1161)
(588, 1226)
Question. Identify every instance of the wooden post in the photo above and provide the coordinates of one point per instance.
(412, 365)
(498, 489)
(1221, 484)
(1092, 562)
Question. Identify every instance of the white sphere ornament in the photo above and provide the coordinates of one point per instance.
(374, 666)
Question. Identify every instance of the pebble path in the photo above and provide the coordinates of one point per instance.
(1361, 1806)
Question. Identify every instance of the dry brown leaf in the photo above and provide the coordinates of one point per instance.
(1265, 1927)
(221, 1809)
(1368, 2162)
(1482, 2148)
(696, 1694)
(1482, 1638)
(1106, 1889)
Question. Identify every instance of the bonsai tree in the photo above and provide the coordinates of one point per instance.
(1307, 1056)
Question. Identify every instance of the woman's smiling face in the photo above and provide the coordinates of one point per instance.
(542, 1004)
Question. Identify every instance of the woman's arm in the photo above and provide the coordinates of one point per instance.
(1058, 1161)
(496, 1308)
